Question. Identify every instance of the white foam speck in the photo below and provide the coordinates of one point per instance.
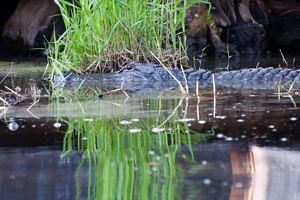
(125, 122)
(57, 124)
(135, 130)
(158, 130)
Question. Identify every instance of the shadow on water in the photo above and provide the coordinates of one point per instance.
(240, 145)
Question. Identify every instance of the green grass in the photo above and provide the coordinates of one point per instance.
(103, 34)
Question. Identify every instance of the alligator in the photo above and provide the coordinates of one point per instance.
(149, 77)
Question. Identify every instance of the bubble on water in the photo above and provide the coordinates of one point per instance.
(239, 185)
(186, 120)
(151, 152)
(204, 162)
(243, 115)
(33, 125)
(206, 181)
(220, 117)
(271, 126)
(134, 130)
(284, 139)
(154, 169)
(135, 120)
(229, 139)
(224, 183)
(57, 124)
(240, 120)
(12, 177)
(201, 121)
(158, 130)
(125, 122)
(220, 135)
(13, 126)
(293, 119)
(88, 119)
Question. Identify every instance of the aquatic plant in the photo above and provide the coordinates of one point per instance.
(102, 34)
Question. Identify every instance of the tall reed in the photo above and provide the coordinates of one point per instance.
(103, 34)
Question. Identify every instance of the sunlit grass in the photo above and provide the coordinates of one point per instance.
(102, 34)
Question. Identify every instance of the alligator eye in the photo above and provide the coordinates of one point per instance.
(129, 67)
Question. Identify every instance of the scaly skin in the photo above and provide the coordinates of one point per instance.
(140, 77)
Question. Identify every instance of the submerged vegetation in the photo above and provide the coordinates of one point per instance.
(103, 35)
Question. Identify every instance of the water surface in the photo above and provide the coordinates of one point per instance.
(235, 145)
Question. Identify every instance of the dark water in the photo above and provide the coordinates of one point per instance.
(239, 145)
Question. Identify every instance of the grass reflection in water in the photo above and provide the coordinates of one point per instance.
(131, 158)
